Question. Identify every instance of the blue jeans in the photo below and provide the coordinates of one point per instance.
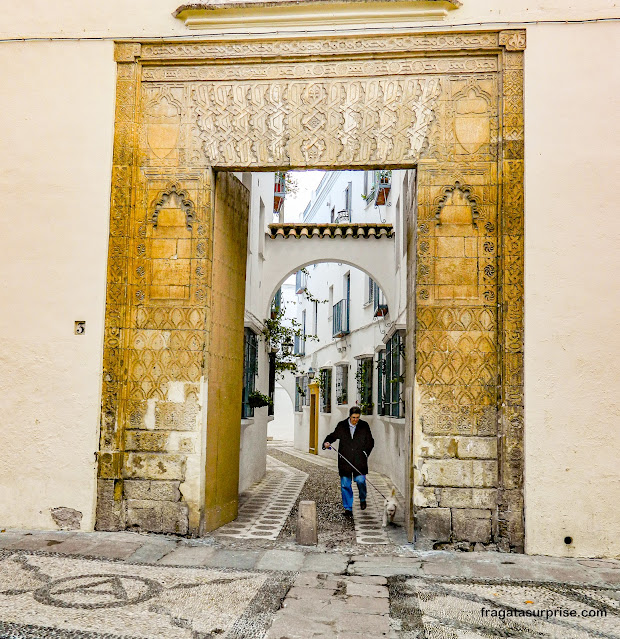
(346, 488)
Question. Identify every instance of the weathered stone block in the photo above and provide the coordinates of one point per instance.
(146, 441)
(477, 448)
(467, 498)
(472, 524)
(175, 517)
(433, 524)
(460, 473)
(110, 512)
(152, 490)
(460, 447)
(176, 416)
(426, 497)
(144, 515)
(307, 534)
(154, 466)
(484, 474)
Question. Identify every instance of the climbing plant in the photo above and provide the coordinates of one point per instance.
(277, 333)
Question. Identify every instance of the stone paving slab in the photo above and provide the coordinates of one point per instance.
(187, 556)
(288, 560)
(325, 562)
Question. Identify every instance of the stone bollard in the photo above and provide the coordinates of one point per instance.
(307, 534)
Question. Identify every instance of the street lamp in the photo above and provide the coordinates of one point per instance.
(287, 347)
(311, 373)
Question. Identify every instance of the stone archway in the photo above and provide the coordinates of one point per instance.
(450, 104)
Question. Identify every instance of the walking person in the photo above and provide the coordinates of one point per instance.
(356, 443)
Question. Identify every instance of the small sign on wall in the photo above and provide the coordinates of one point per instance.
(80, 328)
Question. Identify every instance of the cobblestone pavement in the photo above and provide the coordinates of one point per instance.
(65, 585)
(323, 487)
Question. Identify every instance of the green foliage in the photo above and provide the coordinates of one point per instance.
(307, 294)
(256, 400)
(380, 177)
(276, 334)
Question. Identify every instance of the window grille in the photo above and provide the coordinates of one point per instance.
(326, 390)
(272, 383)
(381, 382)
(250, 369)
(391, 371)
(370, 293)
(298, 395)
(364, 385)
(342, 384)
(306, 395)
(340, 319)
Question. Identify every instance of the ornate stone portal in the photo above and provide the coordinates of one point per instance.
(450, 105)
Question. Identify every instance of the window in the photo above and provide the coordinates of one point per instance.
(301, 281)
(315, 313)
(250, 369)
(342, 384)
(306, 391)
(298, 394)
(363, 377)
(326, 390)
(272, 383)
(330, 303)
(381, 390)
(370, 290)
(303, 328)
(391, 374)
(378, 301)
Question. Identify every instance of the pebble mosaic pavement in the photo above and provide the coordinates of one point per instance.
(264, 507)
(442, 608)
(51, 596)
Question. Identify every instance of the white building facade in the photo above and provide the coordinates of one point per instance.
(359, 356)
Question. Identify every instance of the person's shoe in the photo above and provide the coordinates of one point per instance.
(348, 513)
(363, 505)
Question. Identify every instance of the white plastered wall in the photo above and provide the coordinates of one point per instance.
(55, 158)
(572, 303)
(57, 122)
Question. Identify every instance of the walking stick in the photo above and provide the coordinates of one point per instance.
(356, 470)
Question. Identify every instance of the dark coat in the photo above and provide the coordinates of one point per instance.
(356, 450)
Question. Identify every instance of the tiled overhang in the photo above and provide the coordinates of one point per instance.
(331, 231)
(309, 13)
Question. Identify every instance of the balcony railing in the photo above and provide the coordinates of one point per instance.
(300, 345)
(343, 217)
(340, 320)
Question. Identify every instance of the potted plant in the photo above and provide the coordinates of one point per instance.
(257, 400)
